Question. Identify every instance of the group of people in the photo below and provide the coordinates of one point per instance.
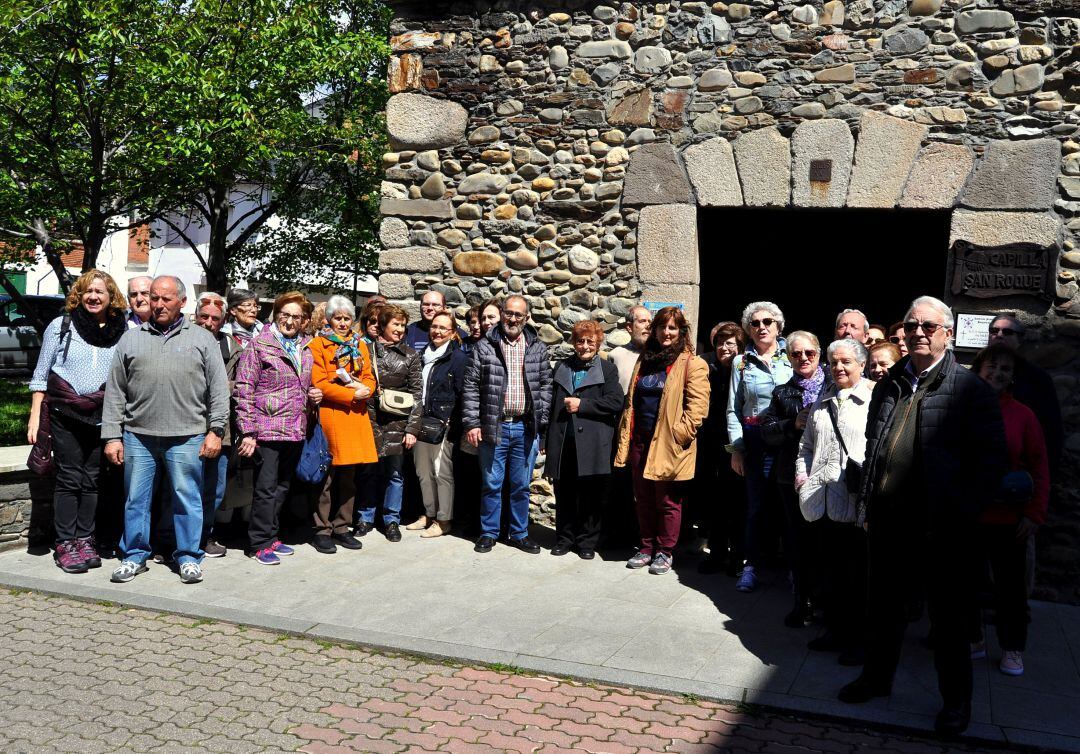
(879, 453)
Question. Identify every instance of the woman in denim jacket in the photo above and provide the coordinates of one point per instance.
(755, 373)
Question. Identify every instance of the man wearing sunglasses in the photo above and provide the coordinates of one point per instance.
(1032, 386)
(936, 451)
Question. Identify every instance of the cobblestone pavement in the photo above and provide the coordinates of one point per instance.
(98, 677)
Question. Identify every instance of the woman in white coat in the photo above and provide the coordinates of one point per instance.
(836, 432)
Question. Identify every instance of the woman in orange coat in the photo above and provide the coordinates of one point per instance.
(341, 369)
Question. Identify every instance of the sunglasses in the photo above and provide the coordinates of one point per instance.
(807, 354)
(763, 322)
(895, 339)
(1003, 331)
(928, 328)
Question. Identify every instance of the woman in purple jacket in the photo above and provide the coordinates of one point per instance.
(274, 396)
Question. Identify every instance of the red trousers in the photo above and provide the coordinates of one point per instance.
(659, 504)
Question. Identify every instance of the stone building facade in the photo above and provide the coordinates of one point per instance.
(566, 150)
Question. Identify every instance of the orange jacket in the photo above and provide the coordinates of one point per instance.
(345, 421)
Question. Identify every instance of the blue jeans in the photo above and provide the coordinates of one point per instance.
(515, 454)
(761, 490)
(213, 490)
(144, 458)
(391, 487)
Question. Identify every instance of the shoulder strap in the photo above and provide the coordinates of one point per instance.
(65, 329)
(836, 427)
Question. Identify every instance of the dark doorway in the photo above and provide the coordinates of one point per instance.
(813, 263)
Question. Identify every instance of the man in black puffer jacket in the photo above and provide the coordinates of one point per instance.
(935, 454)
(505, 407)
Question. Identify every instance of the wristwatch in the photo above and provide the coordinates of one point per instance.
(219, 431)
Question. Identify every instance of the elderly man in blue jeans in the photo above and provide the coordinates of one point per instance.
(505, 404)
(166, 406)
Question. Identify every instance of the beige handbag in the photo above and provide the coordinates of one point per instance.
(398, 402)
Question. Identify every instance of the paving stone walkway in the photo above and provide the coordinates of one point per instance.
(91, 677)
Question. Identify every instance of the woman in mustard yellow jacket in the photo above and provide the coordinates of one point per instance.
(667, 402)
(341, 369)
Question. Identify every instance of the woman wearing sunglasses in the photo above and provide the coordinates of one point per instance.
(782, 427)
(755, 374)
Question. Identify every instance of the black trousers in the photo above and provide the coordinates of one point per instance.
(77, 452)
(725, 513)
(901, 559)
(1007, 557)
(579, 501)
(838, 577)
(795, 538)
(275, 462)
(467, 490)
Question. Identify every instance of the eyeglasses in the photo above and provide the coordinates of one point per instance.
(929, 328)
(1003, 331)
(289, 317)
(763, 322)
(584, 342)
(514, 315)
(809, 353)
(875, 341)
(247, 305)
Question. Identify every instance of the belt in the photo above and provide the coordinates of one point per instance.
(511, 419)
(752, 421)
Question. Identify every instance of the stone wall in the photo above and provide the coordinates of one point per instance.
(23, 493)
(562, 150)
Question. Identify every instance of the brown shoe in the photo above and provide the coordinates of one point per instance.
(440, 528)
(418, 524)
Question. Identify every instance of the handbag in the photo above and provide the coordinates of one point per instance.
(41, 460)
(432, 430)
(852, 469)
(397, 402)
(315, 458)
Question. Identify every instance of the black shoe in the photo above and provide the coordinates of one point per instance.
(863, 690)
(586, 554)
(324, 544)
(952, 721)
(827, 642)
(710, 566)
(346, 540)
(799, 614)
(362, 528)
(393, 533)
(484, 544)
(560, 549)
(525, 545)
(852, 657)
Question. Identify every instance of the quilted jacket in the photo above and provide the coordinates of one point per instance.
(397, 367)
(271, 396)
(485, 381)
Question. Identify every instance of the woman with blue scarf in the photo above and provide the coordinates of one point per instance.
(755, 373)
(782, 427)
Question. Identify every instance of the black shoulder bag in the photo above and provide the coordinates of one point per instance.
(852, 469)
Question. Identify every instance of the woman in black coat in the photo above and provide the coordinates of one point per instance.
(585, 407)
(782, 425)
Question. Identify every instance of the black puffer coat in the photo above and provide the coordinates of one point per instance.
(398, 368)
(485, 383)
(445, 383)
(594, 423)
(960, 443)
(778, 428)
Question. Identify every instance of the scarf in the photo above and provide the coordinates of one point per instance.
(95, 335)
(290, 345)
(811, 386)
(348, 351)
(579, 370)
(429, 356)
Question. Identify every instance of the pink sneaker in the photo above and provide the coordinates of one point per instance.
(68, 557)
(1012, 663)
(88, 552)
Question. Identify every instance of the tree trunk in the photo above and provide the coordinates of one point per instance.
(31, 314)
(217, 258)
(52, 254)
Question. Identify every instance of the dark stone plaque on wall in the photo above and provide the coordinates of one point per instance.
(1014, 269)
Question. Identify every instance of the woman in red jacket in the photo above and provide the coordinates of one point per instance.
(1008, 522)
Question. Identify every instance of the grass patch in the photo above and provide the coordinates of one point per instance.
(200, 622)
(14, 412)
(499, 667)
(691, 698)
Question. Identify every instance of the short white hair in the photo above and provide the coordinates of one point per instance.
(857, 348)
(181, 290)
(934, 303)
(865, 321)
(335, 304)
(762, 306)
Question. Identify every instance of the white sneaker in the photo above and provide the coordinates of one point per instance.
(126, 571)
(191, 573)
(1012, 663)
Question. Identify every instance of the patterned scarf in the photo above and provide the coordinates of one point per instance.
(811, 387)
(291, 346)
(348, 351)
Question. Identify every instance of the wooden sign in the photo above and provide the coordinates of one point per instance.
(993, 271)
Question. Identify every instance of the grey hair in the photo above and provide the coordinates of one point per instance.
(934, 303)
(335, 304)
(1013, 321)
(518, 297)
(138, 277)
(861, 354)
(759, 306)
(239, 296)
(803, 335)
(181, 289)
(866, 322)
(634, 308)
